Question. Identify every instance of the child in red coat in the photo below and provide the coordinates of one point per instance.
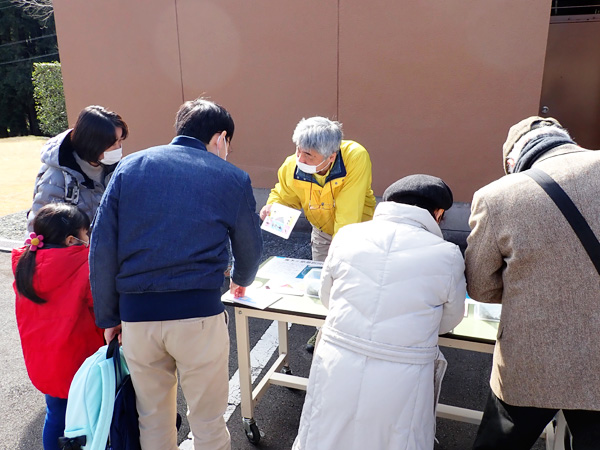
(54, 308)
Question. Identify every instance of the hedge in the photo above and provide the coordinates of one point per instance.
(49, 98)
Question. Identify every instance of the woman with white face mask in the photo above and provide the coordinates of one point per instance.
(78, 163)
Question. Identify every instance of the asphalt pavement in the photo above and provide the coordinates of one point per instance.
(278, 412)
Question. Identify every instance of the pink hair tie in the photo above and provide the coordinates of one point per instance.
(34, 241)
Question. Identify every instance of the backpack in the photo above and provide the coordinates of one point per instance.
(91, 409)
(124, 431)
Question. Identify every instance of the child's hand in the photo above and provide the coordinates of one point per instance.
(236, 290)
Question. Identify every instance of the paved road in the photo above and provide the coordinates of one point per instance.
(277, 414)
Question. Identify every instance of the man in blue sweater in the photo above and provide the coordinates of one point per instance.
(157, 258)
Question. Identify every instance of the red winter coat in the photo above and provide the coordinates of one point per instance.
(59, 335)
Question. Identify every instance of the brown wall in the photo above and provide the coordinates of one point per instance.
(426, 86)
(125, 57)
(571, 86)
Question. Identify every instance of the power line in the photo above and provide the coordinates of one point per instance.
(27, 59)
(27, 40)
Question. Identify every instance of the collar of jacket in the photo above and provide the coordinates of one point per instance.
(67, 160)
(188, 141)
(536, 148)
(561, 150)
(54, 266)
(337, 171)
(408, 214)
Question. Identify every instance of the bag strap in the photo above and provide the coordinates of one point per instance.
(72, 443)
(114, 352)
(572, 214)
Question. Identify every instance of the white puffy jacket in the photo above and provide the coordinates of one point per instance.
(391, 285)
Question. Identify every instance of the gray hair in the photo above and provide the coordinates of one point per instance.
(319, 134)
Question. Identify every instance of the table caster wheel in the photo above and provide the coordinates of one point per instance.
(251, 430)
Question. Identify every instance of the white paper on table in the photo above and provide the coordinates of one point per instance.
(468, 301)
(257, 298)
(488, 311)
(287, 270)
(281, 220)
(282, 287)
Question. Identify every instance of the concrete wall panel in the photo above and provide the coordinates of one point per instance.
(432, 87)
(123, 56)
(571, 88)
(426, 86)
(270, 63)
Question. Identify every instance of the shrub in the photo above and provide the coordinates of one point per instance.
(49, 98)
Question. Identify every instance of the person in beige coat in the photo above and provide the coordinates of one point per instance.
(523, 253)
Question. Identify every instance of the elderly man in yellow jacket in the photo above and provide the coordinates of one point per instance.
(329, 178)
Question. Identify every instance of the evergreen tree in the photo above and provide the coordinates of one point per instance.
(23, 41)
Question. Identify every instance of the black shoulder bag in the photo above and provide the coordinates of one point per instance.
(572, 214)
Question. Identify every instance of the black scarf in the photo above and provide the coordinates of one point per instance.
(535, 148)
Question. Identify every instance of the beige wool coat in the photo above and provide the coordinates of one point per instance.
(523, 253)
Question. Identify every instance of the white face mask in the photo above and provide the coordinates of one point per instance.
(84, 243)
(307, 168)
(112, 157)
(226, 148)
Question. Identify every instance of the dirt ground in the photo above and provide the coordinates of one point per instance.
(19, 165)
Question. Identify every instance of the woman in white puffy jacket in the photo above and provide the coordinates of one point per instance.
(391, 286)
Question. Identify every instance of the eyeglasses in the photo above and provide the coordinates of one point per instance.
(323, 206)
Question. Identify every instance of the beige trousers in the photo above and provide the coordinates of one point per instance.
(199, 349)
(319, 244)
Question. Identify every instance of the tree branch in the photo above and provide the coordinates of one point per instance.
(41, 10)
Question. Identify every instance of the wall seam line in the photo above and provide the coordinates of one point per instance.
(337, 100)
(179, 51)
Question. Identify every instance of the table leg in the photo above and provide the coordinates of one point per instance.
(283, 345)
(243, 348)
(557, 434)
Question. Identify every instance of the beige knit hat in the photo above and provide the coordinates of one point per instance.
(518, 130)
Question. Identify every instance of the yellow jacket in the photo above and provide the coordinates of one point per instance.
(345, 198)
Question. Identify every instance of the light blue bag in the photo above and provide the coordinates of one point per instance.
(91, 402)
